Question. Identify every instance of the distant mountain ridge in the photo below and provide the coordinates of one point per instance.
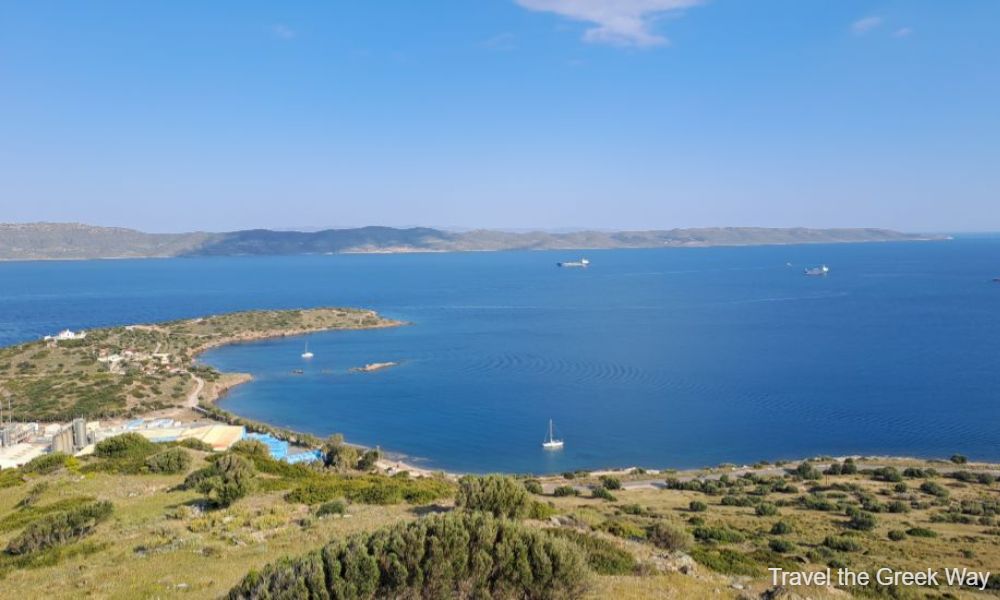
(72, 241)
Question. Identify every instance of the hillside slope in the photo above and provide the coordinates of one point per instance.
(70, 241)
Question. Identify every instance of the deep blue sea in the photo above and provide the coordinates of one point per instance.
(662, 358)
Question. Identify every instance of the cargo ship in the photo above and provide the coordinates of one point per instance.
(582, 263)
(818, 271)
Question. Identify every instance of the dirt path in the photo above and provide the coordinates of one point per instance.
(199, 385)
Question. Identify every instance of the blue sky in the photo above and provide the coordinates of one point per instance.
(170, 116)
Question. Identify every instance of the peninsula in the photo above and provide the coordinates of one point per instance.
(133, 370)
(73, 241)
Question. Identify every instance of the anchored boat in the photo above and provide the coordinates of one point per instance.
(551, 443)
(307, 353)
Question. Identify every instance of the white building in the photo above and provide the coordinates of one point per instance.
(65, 334)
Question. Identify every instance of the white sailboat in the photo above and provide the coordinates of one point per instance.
(551, 443)
(307, 353)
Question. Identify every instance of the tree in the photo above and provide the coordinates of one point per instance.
(339, 455)
(498, 495)
(368, 460)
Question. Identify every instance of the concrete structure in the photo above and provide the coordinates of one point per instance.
(63, 441)
(80, 438)
(219, 437)
(19, 454)
(11, 434)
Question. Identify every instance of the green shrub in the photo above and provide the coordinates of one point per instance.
(611, 483)
(861, 520)
(250, 448)
(842, 543)
(333, 507)
(195, 444)
(897, 535)
(781, 528)
(718, 534)
(565, 490)
(814, 502)
(59, 528)
(921, 532)
(603, 494)
(499, 495)
(898, 506)
(46, 463)
(124, 446)
(934, 489)
(604, 557)
(959, 459)
(170, 461)
(729, 562)
(807, 471)
(466, 553)
(890, 474)
(369, 458)
(697, 506)
(623, 529)
(668, 537)
(781, 546)
(635, 509)
(766, 509)
(34, 495)
(533, 487)
(228, 479)
(541, 510)
(370, 489)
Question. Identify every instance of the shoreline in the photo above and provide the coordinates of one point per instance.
(393, 462)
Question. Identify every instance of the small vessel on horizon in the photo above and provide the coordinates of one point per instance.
(307, 353)
(551, 443)
(818, 271)
(582, 263)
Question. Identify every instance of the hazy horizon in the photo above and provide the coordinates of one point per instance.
(445, 228)
(503, 114)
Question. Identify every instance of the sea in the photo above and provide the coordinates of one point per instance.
(661, 358)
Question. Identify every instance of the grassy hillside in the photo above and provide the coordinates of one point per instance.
(73, 241)
(694, 535)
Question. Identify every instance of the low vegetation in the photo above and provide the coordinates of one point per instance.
(203, 522)
(472, 554)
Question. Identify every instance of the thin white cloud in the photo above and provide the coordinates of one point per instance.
(862, 26)
(902, 32)
(282, 31)
(617, 22)
(501, 42)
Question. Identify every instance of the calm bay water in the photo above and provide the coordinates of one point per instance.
(673, 357)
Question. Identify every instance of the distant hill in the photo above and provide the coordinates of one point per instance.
(54, 241)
